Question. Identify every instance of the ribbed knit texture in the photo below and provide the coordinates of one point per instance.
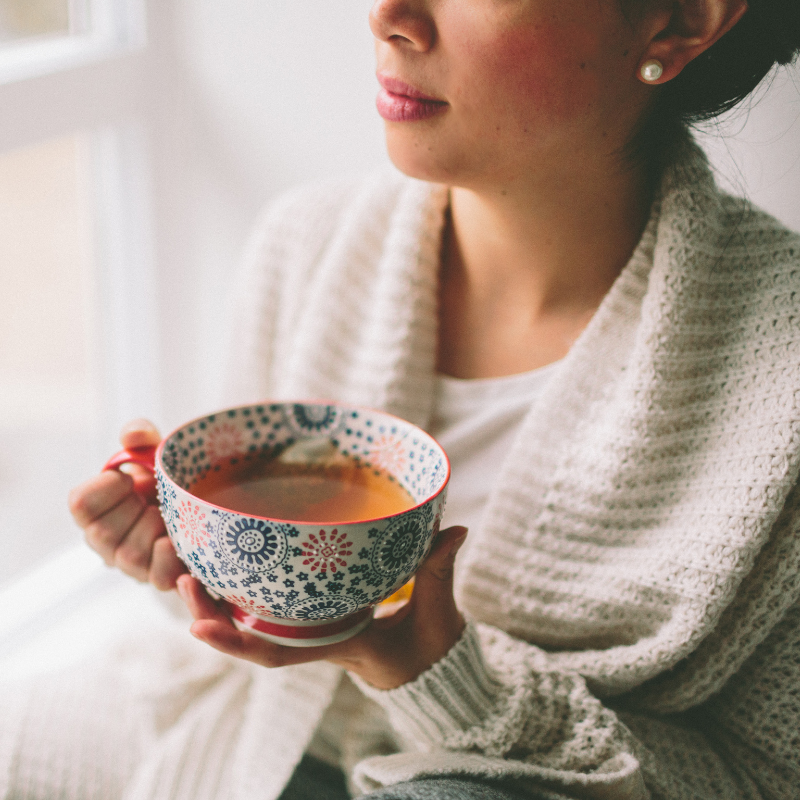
(633, 590)
(636, 533)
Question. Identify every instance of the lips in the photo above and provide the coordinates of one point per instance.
(400, 102)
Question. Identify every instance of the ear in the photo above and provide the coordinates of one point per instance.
(680, 31)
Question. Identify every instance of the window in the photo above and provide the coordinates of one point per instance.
(25, 19)
(44, 36)
(75, 265)
(49, 399)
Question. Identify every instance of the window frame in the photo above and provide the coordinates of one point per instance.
(99, 85)
(104, 28)
(104, 94)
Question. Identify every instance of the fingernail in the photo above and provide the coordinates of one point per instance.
(143, 425)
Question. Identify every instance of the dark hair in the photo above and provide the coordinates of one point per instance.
(768, 34)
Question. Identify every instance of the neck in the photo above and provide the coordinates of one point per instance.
(535, 260)
(565, 244)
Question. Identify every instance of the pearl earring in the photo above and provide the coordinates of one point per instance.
(652, 70)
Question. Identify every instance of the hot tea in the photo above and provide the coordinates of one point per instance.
(307, 492)
(354, 535)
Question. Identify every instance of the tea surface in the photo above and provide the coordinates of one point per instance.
(304, 492)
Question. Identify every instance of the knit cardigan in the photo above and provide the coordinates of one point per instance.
(634, 585)
(633, 591)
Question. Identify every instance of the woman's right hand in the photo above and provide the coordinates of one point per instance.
(119, 515)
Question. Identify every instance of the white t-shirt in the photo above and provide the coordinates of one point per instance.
(476, 422)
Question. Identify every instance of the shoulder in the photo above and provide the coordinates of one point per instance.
(720, 230)
(759, 240)
(338, 227)
(757, 276)
(316, 250)
(721, 251)
(311, 215)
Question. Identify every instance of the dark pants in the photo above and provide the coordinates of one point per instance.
(315, 780)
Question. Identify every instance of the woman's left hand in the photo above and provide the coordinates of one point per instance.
(391, 651)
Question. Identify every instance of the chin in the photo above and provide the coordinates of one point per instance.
(417, 159)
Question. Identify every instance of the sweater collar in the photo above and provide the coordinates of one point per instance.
(627, 511)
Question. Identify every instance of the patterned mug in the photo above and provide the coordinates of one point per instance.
(294, 582)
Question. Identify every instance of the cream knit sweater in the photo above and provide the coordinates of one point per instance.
(634, 589)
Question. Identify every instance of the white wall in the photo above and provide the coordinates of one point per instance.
(287, 88)
(265, 95)
(756, 148)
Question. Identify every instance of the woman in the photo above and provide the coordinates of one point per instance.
(607, 347)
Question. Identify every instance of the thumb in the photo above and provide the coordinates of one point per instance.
(434, 579)
(139, 433)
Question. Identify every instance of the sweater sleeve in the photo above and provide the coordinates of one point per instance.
(493, 708)
(487, 701)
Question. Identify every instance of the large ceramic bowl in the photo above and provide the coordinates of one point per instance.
(289, 581)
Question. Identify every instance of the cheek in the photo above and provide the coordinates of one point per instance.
(535, 72)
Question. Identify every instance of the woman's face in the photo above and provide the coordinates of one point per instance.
(518, 87)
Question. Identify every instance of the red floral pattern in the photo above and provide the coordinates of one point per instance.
(389, 455)
(326, 551)
(248, 604)
(223, 441)
(192, 523)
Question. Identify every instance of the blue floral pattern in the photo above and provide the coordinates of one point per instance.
(398, 546)
(326, 608)
(254, 545)
(312, 419)
(167, 498)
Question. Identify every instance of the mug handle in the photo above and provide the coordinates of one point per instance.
(143, 456)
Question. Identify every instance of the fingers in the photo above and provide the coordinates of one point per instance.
(106, 533)
(134, 551)
(441, 560)
(436, 622)
(144, 482)
(390, 652)
(124, 529)
(165, 566)
(214, 627)
(436, 574)
(94, 498)
(117, 512)
(396, 649)
(140, 433)
(199, 602)
(433, 586)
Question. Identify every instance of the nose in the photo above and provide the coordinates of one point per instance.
(406, 23)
